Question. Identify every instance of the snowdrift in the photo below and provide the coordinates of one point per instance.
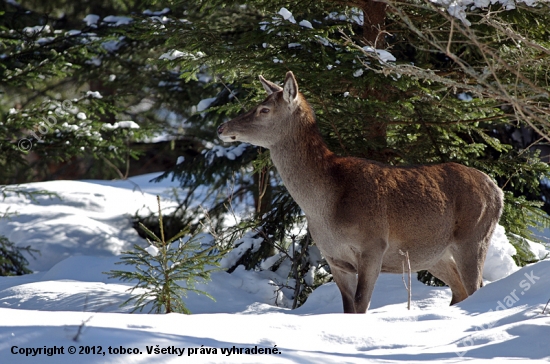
(70, 304)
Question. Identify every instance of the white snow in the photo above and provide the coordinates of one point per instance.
(157, 13)
(113, 45)
(84, 218)
(171, 55)
(117, 20)
(247, 242)
(153, 250)
(306, 24)
(128, 124)
(287, 15)
(463, 96)
(384, 55)
(482, 3)
(73, 32)
(45, 40)
(322, 40)
(499, 262)
(458, 11)
(231, 152)
(69, 302)
(205, 104)
(310, 276)
(458, 8)
(355, 15)
(174, 54)
(95, 94)
(31, 31)
(538, 250)
(91, 19)
(94, 61)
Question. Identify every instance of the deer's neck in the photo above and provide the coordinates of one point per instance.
(304, 163)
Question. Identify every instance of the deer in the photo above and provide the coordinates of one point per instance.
(362, 214)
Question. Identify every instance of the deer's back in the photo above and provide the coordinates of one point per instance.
(418, 201)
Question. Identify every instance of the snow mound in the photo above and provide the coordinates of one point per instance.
(83, 218)
(73, 303)
(499, 262)
(527, 286)
(538, 250)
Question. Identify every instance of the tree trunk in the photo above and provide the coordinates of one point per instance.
(374, 24)
(374, 14)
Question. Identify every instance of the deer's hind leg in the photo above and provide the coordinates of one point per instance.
(447, 270)
(470, 258)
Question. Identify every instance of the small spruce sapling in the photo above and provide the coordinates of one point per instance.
(12, 261)
(162, 267)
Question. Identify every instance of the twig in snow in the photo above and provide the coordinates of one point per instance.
(81, 327)
(407, 287)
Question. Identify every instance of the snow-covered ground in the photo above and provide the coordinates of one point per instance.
(81, 234)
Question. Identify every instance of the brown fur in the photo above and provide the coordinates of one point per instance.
(362, 213)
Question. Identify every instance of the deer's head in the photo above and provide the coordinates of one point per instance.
(268, 122)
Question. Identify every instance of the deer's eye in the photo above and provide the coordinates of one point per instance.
(264, 110)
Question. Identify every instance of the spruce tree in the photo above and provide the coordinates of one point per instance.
(446, 92)
(166, 270)
(12, 260)
(449, 89)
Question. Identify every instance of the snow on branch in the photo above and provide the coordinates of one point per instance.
(516, 56)
(458, 8)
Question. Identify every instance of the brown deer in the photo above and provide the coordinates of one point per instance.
(362, 213)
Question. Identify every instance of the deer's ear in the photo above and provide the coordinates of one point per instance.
(269, 86)
(290, 88)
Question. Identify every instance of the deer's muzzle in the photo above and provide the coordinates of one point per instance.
(225, 138)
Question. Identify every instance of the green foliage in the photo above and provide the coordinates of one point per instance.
(12, 261)
(66, 86)
(417, 108)
(524, 254)
(306, 271)
(156, 69)
(428, 279)
(394, 112)
(167, 270)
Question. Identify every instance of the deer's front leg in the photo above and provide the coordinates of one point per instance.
(347, 283)
(368, 270)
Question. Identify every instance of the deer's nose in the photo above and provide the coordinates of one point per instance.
(220, 128)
